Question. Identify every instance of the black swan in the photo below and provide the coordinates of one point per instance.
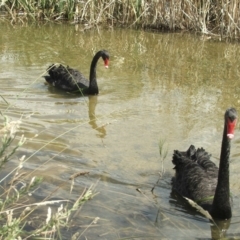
(72, 80)
(199, 179)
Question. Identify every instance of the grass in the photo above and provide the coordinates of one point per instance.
(163, 152)
(17, 210)
(216, 19)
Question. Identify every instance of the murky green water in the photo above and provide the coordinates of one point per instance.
(171, 87)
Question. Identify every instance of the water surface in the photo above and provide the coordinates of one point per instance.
(160, 87)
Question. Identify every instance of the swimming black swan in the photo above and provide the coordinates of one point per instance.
(72, 80)
(199, 179)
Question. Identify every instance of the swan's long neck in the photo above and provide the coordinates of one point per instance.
(221, 202)
(93, 87)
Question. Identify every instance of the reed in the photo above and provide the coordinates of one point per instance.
(211, 17)
(19, 217)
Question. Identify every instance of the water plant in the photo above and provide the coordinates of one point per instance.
(163, 151)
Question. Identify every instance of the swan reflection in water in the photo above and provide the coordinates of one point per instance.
(92, 117)
(218, 227)
(92, 103)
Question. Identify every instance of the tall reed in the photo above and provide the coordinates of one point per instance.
(212, 17)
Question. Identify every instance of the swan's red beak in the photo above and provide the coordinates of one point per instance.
(230, 128)
(106, 61)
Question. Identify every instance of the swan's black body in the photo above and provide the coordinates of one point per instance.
(199, 179)
(72, 80)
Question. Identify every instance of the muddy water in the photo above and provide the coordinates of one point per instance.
(171, 88)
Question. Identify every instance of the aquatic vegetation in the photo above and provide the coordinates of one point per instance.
(213, 18)
(20, 217)
(163, 152)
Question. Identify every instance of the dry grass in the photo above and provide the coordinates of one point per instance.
(216, 18)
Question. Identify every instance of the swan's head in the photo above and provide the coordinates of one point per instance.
(231, 121)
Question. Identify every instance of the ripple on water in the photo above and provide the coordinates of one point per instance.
(172, 88)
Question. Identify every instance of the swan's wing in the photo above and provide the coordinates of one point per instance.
(78, 78)
(190, 153)
(191, 179)
(66, 78)
(203, 159)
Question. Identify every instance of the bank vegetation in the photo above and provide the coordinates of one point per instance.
(219, 18)
(22, 215)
